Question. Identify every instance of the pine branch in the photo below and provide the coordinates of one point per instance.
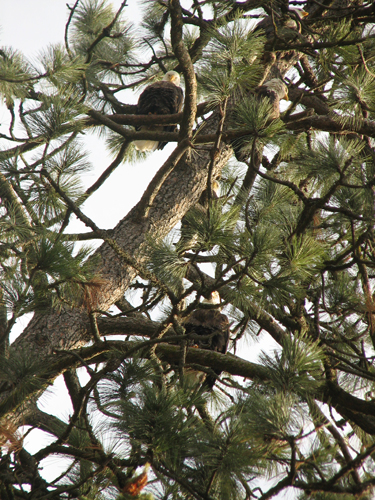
(324, 45)
(182, 54)
(106, 32)
(66, 39)
(108, 171)
(153, 188)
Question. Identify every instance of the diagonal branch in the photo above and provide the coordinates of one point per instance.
(182, 54)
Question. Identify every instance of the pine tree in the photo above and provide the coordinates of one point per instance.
(288, 243)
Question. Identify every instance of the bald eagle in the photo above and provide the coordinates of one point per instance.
(159, 98)
(274, 90)
(213, 326)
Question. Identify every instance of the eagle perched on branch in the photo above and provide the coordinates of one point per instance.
(274, 90)
(213, 327)
(160, 98)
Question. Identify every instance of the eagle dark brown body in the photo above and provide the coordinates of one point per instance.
(213, 327)
(161, 98)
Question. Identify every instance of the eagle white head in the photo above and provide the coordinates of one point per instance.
(216, 190)
(214, 299)
(173, 77)
(279, 87)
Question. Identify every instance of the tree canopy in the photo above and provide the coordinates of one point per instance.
(288, 242)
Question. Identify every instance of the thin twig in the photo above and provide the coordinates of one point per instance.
(72, 10)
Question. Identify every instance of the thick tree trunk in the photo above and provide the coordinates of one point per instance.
(51, 330)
